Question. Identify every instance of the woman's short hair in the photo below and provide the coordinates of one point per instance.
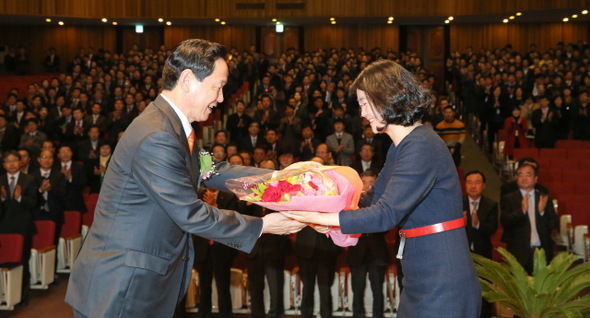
(396, 94)
(194, 54)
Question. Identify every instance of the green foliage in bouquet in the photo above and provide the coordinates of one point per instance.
(552, 291)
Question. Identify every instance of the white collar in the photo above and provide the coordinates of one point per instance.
(531, 193)
(14, 175)
(186, 125)
(43, 172)
(67, 164)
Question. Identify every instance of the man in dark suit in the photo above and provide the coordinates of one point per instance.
(528, 218)
(148, 207)
(316, 256)
(96, 119)
(76, 131)
(308, 144)
(253, 139)
(368, 137)
(9, 137)
(544, 120)
(18, 194)
(367, 160)
(512, 186)
(33, 139)
(214, 258)
(52, 191)
(481, 221)
(75, 176)
(341, 143)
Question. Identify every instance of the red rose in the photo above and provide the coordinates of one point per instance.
(294, 189)
(311, 184)
(272, 194)
(284, 185)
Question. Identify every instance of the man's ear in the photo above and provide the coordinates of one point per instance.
(184, 80)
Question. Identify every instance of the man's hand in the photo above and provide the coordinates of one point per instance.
(92, 155)
(525, 203)
(96, 171)
(46, 186)
(465, 216)
(475, 219)
(209, 198)
(276, 223)
(67, 173)
(17, 192)
(543, 202)
(452, 151)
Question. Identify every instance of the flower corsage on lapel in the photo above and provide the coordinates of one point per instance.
(208, 168)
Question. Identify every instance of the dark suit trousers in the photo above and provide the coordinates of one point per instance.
(324, 268)
(258, 267)
(358, 275)
(221, 267)
(26, 255)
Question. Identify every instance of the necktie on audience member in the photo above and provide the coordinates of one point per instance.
(45, 195)
(12, 186)
(533, 222)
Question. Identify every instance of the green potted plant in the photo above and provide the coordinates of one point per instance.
(552, 291)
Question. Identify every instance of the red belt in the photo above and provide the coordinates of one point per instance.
(434, 228)
(426, 230)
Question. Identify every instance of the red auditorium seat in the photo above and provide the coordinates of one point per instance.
(570, 164)
(566, 202)
(580, 213)
(90, 200)
(72, 224)
(576, 176)
(585, 144)
(550, 175)
(520, 153)
(544, 163)
(552, 153)
(558, 188)
(11, 248)
(578, 153)
(45, 234)
(585, 164)
(582, 189)
(568, 144)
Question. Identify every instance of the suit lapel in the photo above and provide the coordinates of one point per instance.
(193, 158)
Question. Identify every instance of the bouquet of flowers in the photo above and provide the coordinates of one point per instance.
(304, 186)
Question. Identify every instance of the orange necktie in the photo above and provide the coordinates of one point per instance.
(191, 140)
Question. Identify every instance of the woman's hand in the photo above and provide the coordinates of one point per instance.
(316, 218)
(324, 229)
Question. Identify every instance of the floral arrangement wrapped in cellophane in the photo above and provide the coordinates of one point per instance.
(305, 186)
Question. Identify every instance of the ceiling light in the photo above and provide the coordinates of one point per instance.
(511, 17)
(390, 18)
(447, 21)
(278, 22)
(217, 20)
(222, 22)
(114, 22)
(104, 20)
(585, 12)
(333, 22)
(48, 20)
(575, 16)
(274, 20)
(518, 14)
(505, 20)
(565, 19)
(60, 23)
(389, 22)
(160, 20)
(168, 23)
(332, 19)
(450, 18)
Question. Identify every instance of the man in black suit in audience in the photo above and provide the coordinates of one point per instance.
(481, 221)
(52, 191)
(33, 139)
(370, 255)
(512, 186)
(75, 176)
(267, 259)
(96, 119)
(253, 139)
(308, 144)
(367, 160)
(528, 217)
(76, 130)
(214, 258)
(18, 194)
(8, 135)
(544, 120)
(368, 137)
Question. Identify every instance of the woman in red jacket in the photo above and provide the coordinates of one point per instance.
(516, 127)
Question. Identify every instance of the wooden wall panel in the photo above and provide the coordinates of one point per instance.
(241, 37)
(150, 38)
(491, 36)
(65, 40)
(291, 38)
(313, 8)
(355, 36)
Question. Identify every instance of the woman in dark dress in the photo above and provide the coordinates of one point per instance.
(417, 188)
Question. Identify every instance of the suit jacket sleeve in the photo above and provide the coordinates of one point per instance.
(28, 195)
(489, 225)
(512, 214)
(160, 169)
(348, 146)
